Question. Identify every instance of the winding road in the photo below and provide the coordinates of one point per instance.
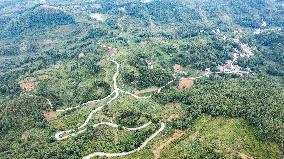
(62, 135)
(134, 95)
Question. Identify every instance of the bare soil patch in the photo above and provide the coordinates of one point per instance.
(177, 68)
(93, 105)
(172, 117)
(25, 136)
(157, 149)
(148, 90)
(56, 66)
(185, 83)
(81, 55)
(103, 62)
(244, 156)
(50, 115)
(28, 86)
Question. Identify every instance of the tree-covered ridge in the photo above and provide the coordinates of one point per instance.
(17, 118)
(38, 17)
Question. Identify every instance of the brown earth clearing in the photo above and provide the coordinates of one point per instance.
(50, 115)
(28, 86)
(185, 83)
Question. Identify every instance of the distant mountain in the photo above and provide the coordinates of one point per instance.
(38, 17)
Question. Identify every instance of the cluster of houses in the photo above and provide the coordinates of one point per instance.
(230, 66)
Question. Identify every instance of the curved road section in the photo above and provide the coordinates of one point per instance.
(81, 129)
(103, 154)
(62, 135)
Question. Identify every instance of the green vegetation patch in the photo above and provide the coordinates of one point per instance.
(219, 137)
(259, 101)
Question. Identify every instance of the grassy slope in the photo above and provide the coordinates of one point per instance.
(212, 137)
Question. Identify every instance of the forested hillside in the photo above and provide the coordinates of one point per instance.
(142, 79)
